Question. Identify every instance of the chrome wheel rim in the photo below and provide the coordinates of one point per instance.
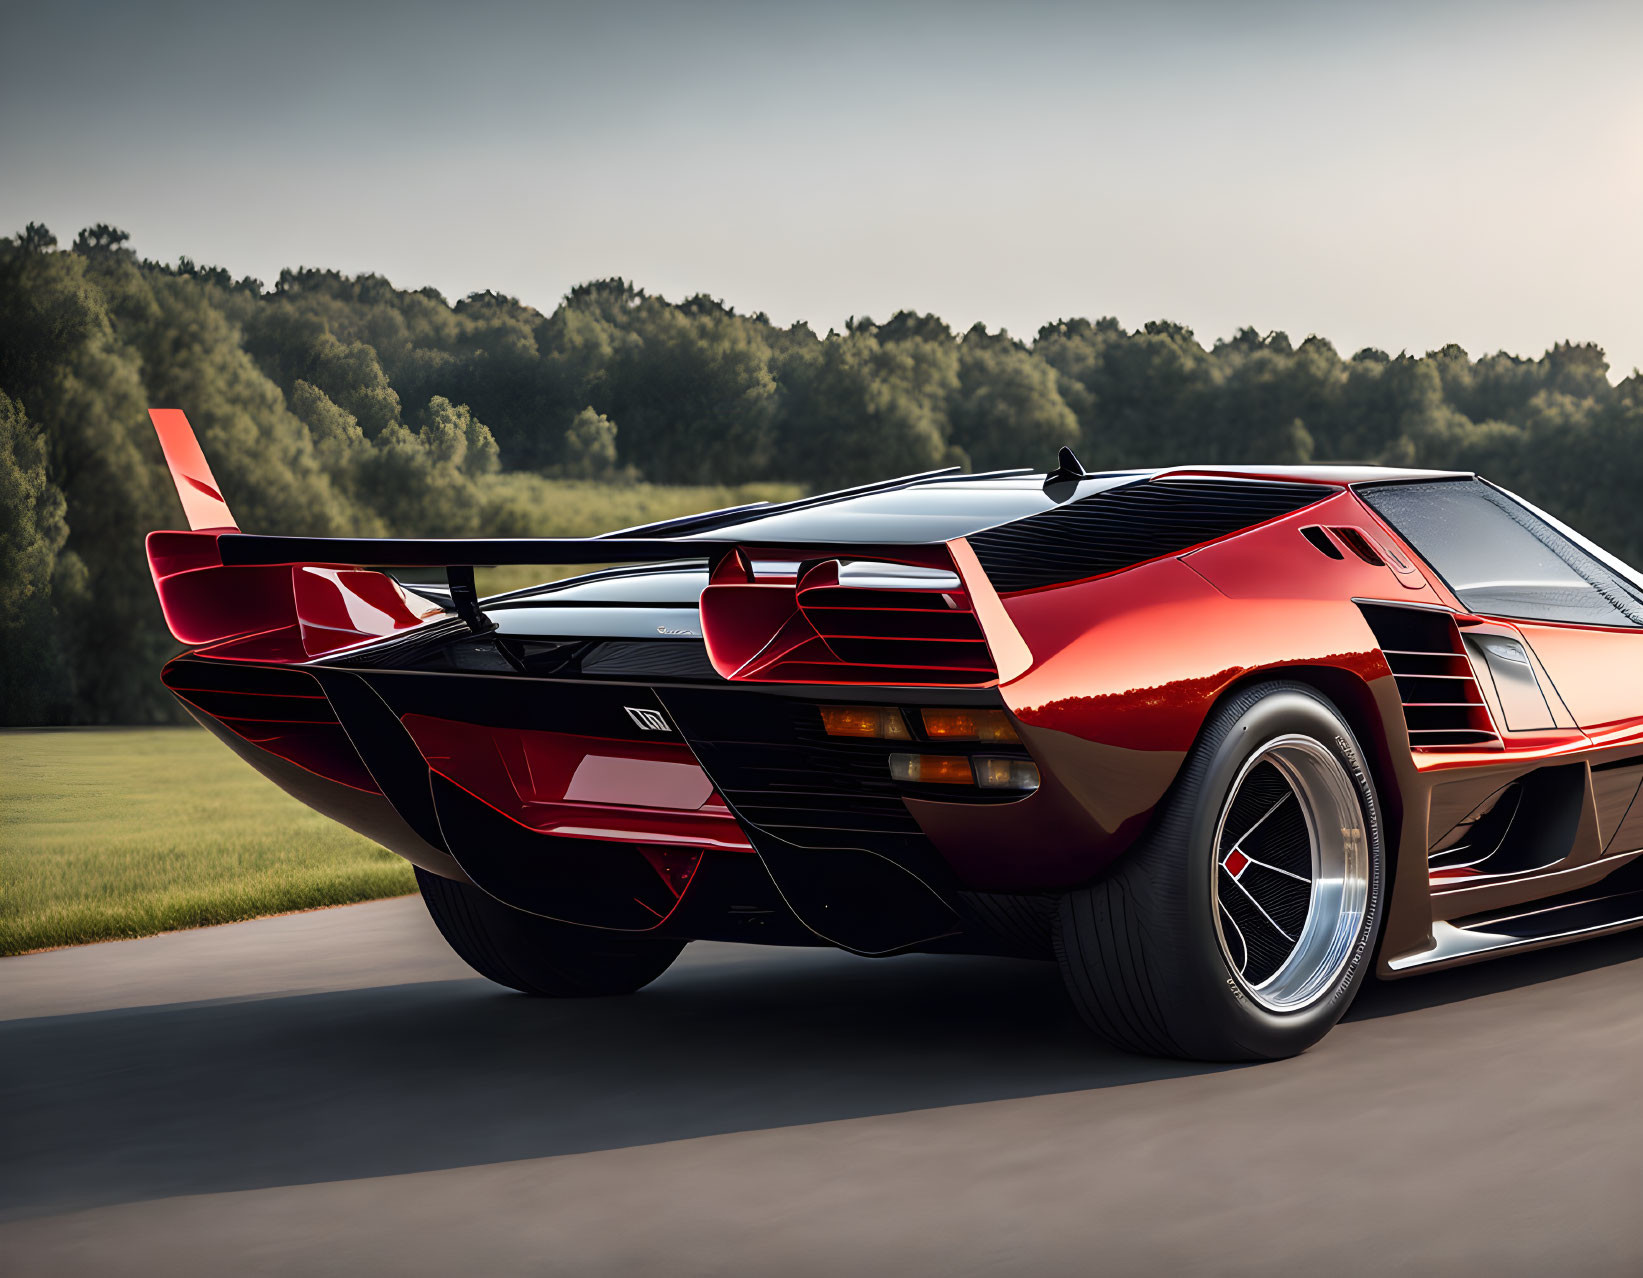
(1290, 884)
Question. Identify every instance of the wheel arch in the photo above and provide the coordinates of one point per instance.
(1355, 700)
(1376, 720)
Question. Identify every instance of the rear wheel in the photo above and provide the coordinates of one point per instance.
(1241, 927)
(541, 956)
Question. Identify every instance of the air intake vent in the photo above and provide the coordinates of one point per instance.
(282, 711)
(1322, 542)
(1355, 541)
(1442, 706)
(1125, 526)
(647, 659)
(897, 634)
(1526, 825)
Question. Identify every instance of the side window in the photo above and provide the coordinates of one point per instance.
(1503, 560)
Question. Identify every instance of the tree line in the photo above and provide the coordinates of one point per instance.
(334, 404)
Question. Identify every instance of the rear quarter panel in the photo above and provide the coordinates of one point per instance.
(1126, 668)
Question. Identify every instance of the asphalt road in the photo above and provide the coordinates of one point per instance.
(334, 1093)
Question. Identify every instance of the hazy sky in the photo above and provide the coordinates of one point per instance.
(1396, 175)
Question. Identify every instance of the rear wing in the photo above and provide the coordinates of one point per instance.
(249, 549)
(245, 596)
(262, 598)
(207, 511)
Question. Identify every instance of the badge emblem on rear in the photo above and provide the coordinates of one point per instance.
(649, 720)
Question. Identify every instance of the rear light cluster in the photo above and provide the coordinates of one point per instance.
(882, 722)
(888, 724)
(968, 725)
(963, 769)
(939, 724)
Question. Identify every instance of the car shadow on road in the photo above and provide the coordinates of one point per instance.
(130, 1105)
(135, 1104)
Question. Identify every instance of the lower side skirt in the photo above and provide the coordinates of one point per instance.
(1613, 905)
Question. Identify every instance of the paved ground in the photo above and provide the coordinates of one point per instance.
(333, 1093)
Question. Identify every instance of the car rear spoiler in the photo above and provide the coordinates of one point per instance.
(277, 598)
(245, 596)
(207, 511)
(248, 549)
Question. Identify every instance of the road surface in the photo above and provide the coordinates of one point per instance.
(334, 1093)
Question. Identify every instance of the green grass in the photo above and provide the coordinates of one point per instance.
(118, 832)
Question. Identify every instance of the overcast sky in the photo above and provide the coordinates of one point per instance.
(1400, 175)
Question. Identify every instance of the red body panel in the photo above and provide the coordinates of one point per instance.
(1125, 668)
(202, 500)
(1598, 673)
(276, 613)
(586, 787)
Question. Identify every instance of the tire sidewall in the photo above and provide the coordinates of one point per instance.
(1225, 1007)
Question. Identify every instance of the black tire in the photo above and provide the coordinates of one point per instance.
(541, 956)
(1141, 950)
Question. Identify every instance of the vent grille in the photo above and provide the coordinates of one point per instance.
(1322, 542)
(1442, 706)
(781, 772)
(1125, 526)
(282, 711)
(813, 626)
(266, 694)
(648, 659)
(1355, 541)
(899, 636)
(772, 760)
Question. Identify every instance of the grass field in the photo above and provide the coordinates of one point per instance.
(115, 832)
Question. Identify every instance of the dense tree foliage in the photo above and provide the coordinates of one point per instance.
(331, 404)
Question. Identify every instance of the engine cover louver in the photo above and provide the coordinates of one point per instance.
(1442, 706)
(811, 625)
(1125, 526)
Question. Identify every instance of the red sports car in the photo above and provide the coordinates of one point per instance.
(1218, 740)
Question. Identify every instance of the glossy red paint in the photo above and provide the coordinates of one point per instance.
(1126, 668)
(336, 607)
(1011, 655)
(1598, 672)
(197, 489)
(645, 792)
(275, 613)
(205, 602)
